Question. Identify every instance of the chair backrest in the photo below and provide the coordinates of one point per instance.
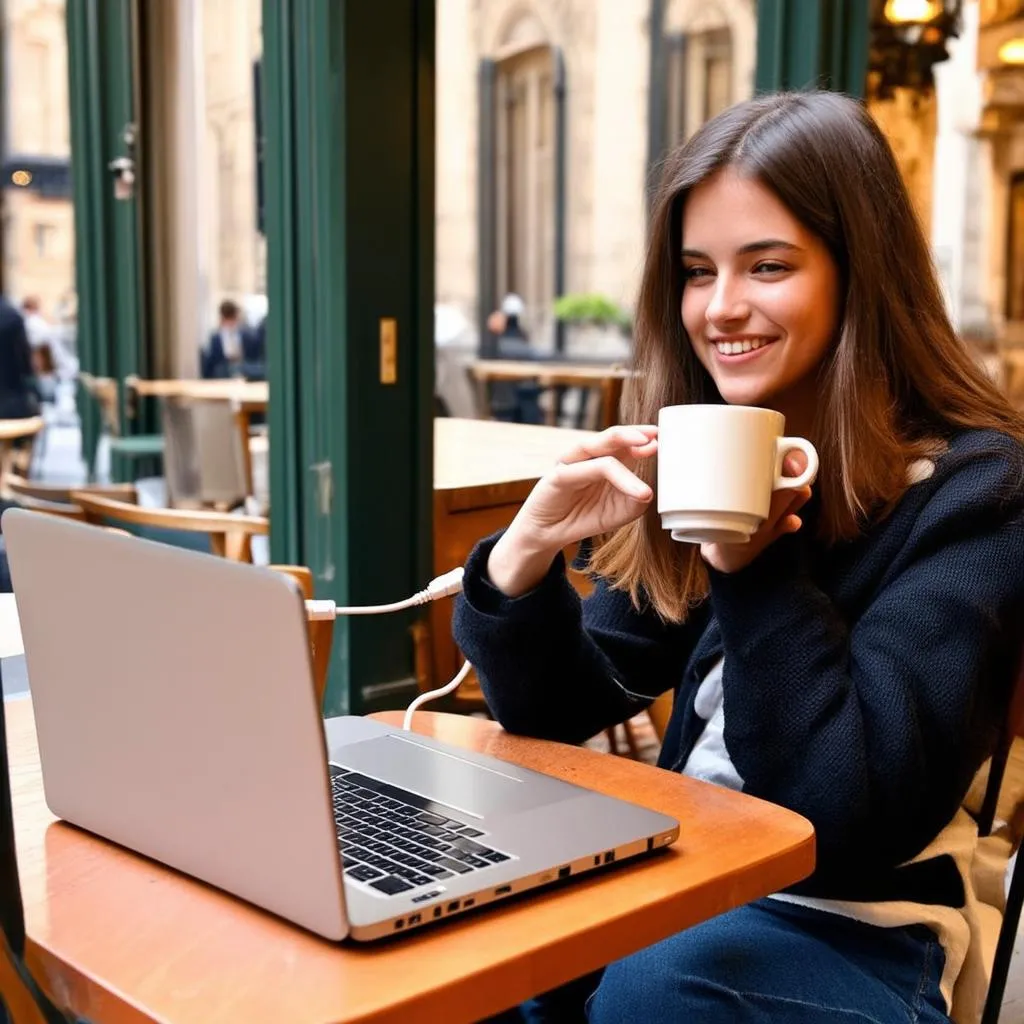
(204, 460)
(1012, 725)
(55, 499)
(61, 493)
(320, 631)
(104, 391)
(228, 535)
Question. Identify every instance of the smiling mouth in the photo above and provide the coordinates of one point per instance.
(739, 348)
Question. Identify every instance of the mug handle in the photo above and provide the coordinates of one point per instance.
(785, 445)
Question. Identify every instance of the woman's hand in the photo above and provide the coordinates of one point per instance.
(782, 519)
(589, 492)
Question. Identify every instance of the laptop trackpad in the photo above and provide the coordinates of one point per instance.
(446, 777)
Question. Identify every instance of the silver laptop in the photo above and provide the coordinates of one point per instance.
(175, 712)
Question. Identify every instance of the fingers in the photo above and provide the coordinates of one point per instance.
(794, 463)
(607, 468)
(638, 441)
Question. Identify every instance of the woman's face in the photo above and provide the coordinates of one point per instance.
(760, 294)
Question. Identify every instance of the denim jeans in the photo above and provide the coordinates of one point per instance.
(767, 961)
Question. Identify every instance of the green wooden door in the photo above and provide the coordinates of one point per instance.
(350, 213)
(105, 128)
(812, 44)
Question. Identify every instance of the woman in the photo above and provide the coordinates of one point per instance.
(853, 661)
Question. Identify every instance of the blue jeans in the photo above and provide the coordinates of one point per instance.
(767, 961)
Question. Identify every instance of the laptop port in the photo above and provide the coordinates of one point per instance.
(597, 860)
(609, 857)
(453, 906)
(466, 904)
(399, 923)
(414, 919)
(564, 872)
(502, 890)
(437, 911)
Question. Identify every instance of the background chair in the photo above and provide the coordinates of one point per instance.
(18, 446)
(206, 462)
(55, 499)
(218, 533)
(127, 452)
(320, 631)
(1000, 842)
(25, 492)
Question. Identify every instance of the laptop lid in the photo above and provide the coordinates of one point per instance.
(175, 710)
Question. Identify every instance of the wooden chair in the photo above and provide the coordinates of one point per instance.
(207, 463)
(23, 491)
(23, 432)
(228, 536)
(55, 500)
(126, 450)
(321, 631)
(1013, 725)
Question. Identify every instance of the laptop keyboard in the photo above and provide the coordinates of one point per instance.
(393, 840)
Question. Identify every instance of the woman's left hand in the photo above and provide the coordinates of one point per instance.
(782, 519)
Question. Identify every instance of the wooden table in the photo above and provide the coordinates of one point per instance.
(255, 393)
(607, 379)
(483, 471)
(123, 940)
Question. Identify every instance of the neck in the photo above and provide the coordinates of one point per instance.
(799, 405)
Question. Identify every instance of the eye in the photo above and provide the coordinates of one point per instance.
(693, 273)
(770, 267)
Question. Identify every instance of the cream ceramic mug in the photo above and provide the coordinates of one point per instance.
(718, 466)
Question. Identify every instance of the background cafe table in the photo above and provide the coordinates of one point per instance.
(253, 393)
(607, 380)
(121, 939)
(483, 471)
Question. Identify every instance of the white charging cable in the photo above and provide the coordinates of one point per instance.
(445, 585)
(425, 698)
(441, 586)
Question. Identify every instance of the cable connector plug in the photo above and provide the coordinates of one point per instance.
(445, 585)
(319, 611)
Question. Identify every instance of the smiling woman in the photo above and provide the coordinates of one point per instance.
(852, 661)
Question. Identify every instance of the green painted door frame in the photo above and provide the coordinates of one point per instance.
(812, 44)
(103, 117)
(349, 109)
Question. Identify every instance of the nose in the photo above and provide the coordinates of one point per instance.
(728, 302)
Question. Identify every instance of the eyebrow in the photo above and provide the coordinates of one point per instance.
(761, 246)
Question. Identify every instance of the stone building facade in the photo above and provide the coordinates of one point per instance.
(595, 56)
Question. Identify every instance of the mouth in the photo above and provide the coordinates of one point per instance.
(740, 350)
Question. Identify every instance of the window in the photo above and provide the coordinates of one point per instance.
(698, 80)
(525, 101)
(43, 237)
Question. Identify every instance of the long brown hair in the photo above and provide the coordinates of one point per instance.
(897, 380)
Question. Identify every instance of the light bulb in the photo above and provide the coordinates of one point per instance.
(1012, 51)
(912, 12)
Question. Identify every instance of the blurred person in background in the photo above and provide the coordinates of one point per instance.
(19, 398)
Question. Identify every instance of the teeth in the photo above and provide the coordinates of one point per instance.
(735, 348)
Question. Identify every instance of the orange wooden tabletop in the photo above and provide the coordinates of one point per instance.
(119, 938)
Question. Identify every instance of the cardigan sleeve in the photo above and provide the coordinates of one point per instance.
(553, 666)
(873, 724)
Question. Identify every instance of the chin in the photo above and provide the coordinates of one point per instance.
(739, 393)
